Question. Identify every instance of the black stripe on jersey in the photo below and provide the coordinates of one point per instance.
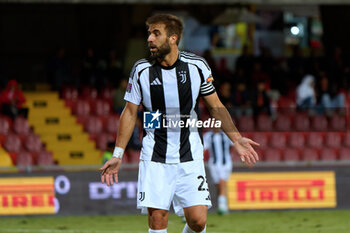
(139, 62)
(192, 56)
(158, 103)
(196, 58)
(185, 102)
(213, 148)
(196, 109)
(223, 149)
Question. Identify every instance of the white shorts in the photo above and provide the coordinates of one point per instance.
(183, 184)
(220, 172)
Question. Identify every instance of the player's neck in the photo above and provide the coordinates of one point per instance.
(170, 58)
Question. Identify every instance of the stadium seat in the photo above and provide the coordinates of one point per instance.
(24, 159)
(112, 123)
(246, 123)
(45, 158)
(93, 125)
(278, 140)
(33, 143)
(283, 123)
(89, 93)
(344, 154)
(4, 128)
(100, 107)
(261, 138)
(337, 123)
(333, 140)
(301, 122)
(272, 155)
(106, 93)
(69, 93)
(133, 156)
(264, 123)
(12, 143)
(328, 154)
(309, 154)
(297, 140)
(291, 154)
(286, 105)
(315, 140)
(102, 140)
(346, 141)
(21, 126)
(319, 123)
(82, 108)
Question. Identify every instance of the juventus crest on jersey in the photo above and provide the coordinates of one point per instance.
(174, 91)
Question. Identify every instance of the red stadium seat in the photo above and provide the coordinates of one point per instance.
(283, 123)
(100, 107)
(13, 143)
(82, 108)
(344, 154)
(301, 122)
(133, 156)
(291, 154)
(246, 123)
(103, 139)
(333, 140)
(33, 143)
(69, 93)
(337, 123)
(21, 126)
(272, 155)
(297, 140)
(278, 140)
(89, 93)
(106, 93)
(261, 138)
(264, 123)
(5, 124)
(328, 154)
(24, 159)
(346, 141)
(315, 140)
(45, 158)
(286, 105)
(93, 125)
(112, 124)
(319, 123)
(309, 154)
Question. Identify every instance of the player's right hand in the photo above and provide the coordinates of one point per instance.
(109, 170)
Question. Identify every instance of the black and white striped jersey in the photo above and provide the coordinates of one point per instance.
(173, 91)
(218, 145)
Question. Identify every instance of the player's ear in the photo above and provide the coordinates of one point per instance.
(173, 39)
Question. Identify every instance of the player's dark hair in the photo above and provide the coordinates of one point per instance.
(173, 24)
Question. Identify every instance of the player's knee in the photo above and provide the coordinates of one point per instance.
(158, 220)
(197, 224)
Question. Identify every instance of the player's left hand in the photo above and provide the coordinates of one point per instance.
(110, 170)
(246, 152)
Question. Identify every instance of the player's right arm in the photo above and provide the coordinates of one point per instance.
(126, 126)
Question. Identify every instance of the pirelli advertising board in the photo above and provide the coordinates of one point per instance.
(27, 195)
(282, 190)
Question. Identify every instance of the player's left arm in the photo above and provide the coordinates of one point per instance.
(242, 145)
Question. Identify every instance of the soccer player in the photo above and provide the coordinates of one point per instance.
(220, 163)
(171, 168)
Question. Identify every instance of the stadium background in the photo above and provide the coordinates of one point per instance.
(71, 59)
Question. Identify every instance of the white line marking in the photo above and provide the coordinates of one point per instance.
(66, 231)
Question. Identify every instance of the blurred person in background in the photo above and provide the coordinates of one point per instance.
(12, 100)
(59, 69)
(220, 164)
(261, 101)
(108, 153)
(329, 98)
(241, 101)
(305, 93)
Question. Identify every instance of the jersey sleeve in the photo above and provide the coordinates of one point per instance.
(133, 93)
(207, 86)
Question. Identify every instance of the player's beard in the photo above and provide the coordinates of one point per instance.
(161, 52)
